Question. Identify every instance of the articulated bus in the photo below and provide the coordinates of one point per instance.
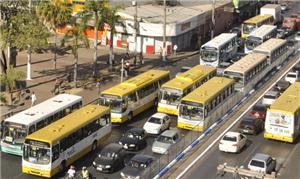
(135, 95)
(247, 71)
(172, 91)
(202, 107)
(258, 36)
(253, 23)
(283, 117)
(51, 149)
(17, 127)
(220, 49)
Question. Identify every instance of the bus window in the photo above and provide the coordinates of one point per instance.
(55, 152)
(41, 124)
(132, 97)
(31, 129)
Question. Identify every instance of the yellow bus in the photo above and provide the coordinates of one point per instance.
(52, 148)
(253, 23)
(172, 91)
(201, 108)
(134, 96)
(283, 117)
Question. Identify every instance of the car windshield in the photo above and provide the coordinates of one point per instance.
(165, 139)
(171, 97)
(137, 164)
(247, 122)
(108, 154)
(115, 103)
(14, 133)
(291, 75)
(155, 120)
(133, 135)
(209, 55)
(230, 138)
(36, 154)
(257, 163)
(247, 28)
(253, 42)
(259, 108)
(191, 112)
(269, 96)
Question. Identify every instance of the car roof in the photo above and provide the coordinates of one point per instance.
(169, 133)
(260, 156)
(113, 147)
(142, 158)
(233, 134)
(135, 130)
(159, 115)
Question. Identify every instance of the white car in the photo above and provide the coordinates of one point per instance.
(291, 77)
(232, 142)
(270, 97)
(297, 36)
(157, 123)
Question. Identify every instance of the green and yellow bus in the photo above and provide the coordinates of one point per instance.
(54, 147)
(254, 22)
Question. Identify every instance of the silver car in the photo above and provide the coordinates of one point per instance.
(165, 141)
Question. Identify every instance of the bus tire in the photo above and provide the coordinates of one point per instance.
(155, 102)
(62, 166)
(130, 116)
(94, 146)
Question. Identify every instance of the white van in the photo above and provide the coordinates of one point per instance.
(291, 77)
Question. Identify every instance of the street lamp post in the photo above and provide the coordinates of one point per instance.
(29, 51)
(164, 59)
(213, 19)
(134, 3)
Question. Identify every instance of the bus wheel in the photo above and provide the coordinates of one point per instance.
(94, 146)
(155, 102)
(62, 166)
(130, 116)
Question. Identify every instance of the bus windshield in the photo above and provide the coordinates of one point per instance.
(38, 154)
(191, 112)
(247, 28)
(209, 55)
(253, 42)
(115, 103)
(171, 97)
(238, 77)
(14, 133)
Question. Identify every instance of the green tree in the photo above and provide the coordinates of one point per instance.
(10, 78)
(54, 14)
(113, 19)
(31, 35)
(75, 34)
(94, 11)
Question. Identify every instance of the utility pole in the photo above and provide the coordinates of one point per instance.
(122, 69)
(213, 21)
(134, 3)
(164, 59)
(29, 51)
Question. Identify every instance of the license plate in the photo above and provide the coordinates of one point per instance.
(98, 168)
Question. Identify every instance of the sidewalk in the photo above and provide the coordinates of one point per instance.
(43, 74)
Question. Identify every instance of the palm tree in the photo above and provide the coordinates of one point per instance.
(75, 33)
(54, 14)
(94, 11)
(113, 19)
(10, 78)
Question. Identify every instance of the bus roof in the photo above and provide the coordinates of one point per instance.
(262, 31)
(269, 45)
(258, 18)
(135, 82)
(45, 108)
(68, 124)
(246, 63)
(289, 100)
(186, 79)
(220, 40)
(208, 90)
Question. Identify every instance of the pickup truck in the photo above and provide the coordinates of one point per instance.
(262, 163)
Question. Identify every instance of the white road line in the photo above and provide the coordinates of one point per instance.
(215, 141)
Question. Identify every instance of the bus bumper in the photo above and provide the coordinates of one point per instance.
(37, 172)
(244, 36)
(189, 127)
(167, 110)
(15, 150)
(278, 137)
(118, 119)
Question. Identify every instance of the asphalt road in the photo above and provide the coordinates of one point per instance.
(11, 165)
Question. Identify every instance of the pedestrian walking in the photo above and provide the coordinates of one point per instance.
(126, 68)
(98, 87)
(85, 173)
(160, 51)
(33, 99)
(141, 58)
(175, 49)
(71, 172)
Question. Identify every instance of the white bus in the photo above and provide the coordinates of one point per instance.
(220, 49)
(258, 36)
(17, 127)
